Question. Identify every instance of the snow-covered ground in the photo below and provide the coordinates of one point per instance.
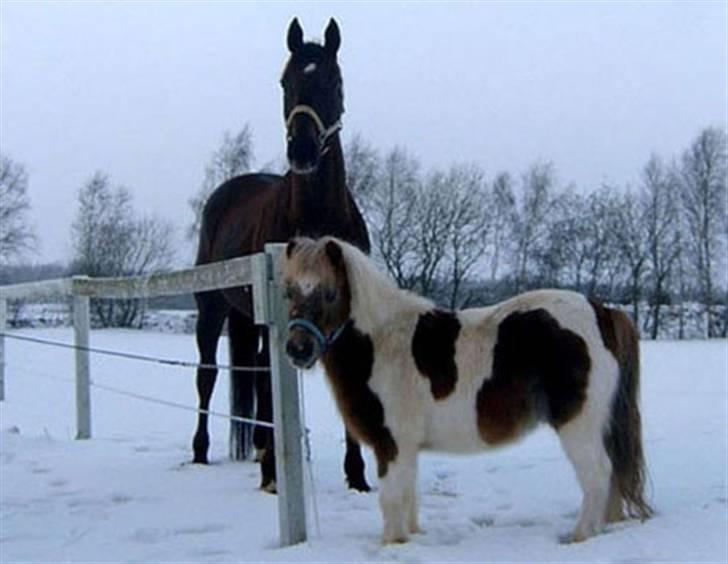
(129, 495)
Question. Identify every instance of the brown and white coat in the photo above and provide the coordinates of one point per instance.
(408, 376)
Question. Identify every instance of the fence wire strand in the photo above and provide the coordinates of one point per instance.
(134, 356)
(149, 399)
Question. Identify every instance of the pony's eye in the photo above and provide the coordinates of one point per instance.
(330, 295)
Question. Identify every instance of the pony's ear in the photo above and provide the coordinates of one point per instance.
(333, 37)
(295, 36)
(289, 248)
(335, 254)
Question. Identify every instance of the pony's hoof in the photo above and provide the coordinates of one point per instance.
(394, 539)
(202, 459)
(573, 538)
(269, 487)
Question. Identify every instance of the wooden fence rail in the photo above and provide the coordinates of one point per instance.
(261, 271)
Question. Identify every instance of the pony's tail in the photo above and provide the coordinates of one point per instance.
(623, 438)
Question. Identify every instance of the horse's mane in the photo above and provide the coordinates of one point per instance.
(375, 297)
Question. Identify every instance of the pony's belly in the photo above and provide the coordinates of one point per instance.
(452, 429)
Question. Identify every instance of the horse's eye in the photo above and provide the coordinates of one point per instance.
(330, 295)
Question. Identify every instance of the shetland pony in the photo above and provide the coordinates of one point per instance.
(408, 376)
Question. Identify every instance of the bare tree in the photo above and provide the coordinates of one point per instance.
(532, 218)
(391, 215)
(503, 221)
(232, 158)
(110, 240)
(16, 231)
(470, 221)
(629, 228)
(363, 166)
(663, 242)
(703, 188)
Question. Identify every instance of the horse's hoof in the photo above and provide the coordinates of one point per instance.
(359, 485)
(269, 487)
(200, 460)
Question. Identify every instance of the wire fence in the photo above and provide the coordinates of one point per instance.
(157, 360)
(134, 356)
(261, 271)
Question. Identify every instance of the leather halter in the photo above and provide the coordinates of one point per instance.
(324, 133)
(322, 340)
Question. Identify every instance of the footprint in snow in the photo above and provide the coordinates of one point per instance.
(202, 530)
(483, 520)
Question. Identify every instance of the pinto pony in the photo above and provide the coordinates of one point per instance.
(407, 377)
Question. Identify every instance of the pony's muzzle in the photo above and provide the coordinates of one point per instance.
(302, 350)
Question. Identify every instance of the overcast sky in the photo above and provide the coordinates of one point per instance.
(145, 90)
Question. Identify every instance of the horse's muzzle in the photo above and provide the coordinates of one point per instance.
(303, 154)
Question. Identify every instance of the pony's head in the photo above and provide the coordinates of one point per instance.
(319, 297)
(313, 99)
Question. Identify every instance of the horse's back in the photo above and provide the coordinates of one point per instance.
(236, 213)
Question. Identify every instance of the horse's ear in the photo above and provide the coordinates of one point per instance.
(289, 248)
(295, 36)
(333, 37)
(335, 254)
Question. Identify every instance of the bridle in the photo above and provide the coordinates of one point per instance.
(324, 342)
(324, 133)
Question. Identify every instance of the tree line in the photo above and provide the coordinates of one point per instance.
(456, 234)
(464, 239)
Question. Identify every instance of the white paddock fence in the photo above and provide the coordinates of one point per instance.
(261, 271)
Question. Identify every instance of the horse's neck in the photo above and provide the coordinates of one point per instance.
(322, 196)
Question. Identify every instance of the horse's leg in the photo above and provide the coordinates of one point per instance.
(263, 436)
(582, 441)
(354, 465)
(212, 310)
(397, 486)
(243, 347)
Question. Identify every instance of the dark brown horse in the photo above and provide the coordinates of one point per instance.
(248, 211)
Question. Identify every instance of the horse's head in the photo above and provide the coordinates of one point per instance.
(313, 99)
(317, 287)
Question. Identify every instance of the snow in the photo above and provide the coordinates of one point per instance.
(129, 494)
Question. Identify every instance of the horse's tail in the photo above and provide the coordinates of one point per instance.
(623, 437)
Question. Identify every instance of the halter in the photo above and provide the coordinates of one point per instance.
(324, 132)
(322, 340)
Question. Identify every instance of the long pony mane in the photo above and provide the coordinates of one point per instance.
(375, 297)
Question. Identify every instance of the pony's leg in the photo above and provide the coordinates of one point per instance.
(396, 496)
(582, 441)
(412, 504)
(243, 347)
(615, 505)
(354, 465)
(212, 310)
(263, 436)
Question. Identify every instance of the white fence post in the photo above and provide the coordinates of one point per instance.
(81, 327)
(286, 412)
(3, 326)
